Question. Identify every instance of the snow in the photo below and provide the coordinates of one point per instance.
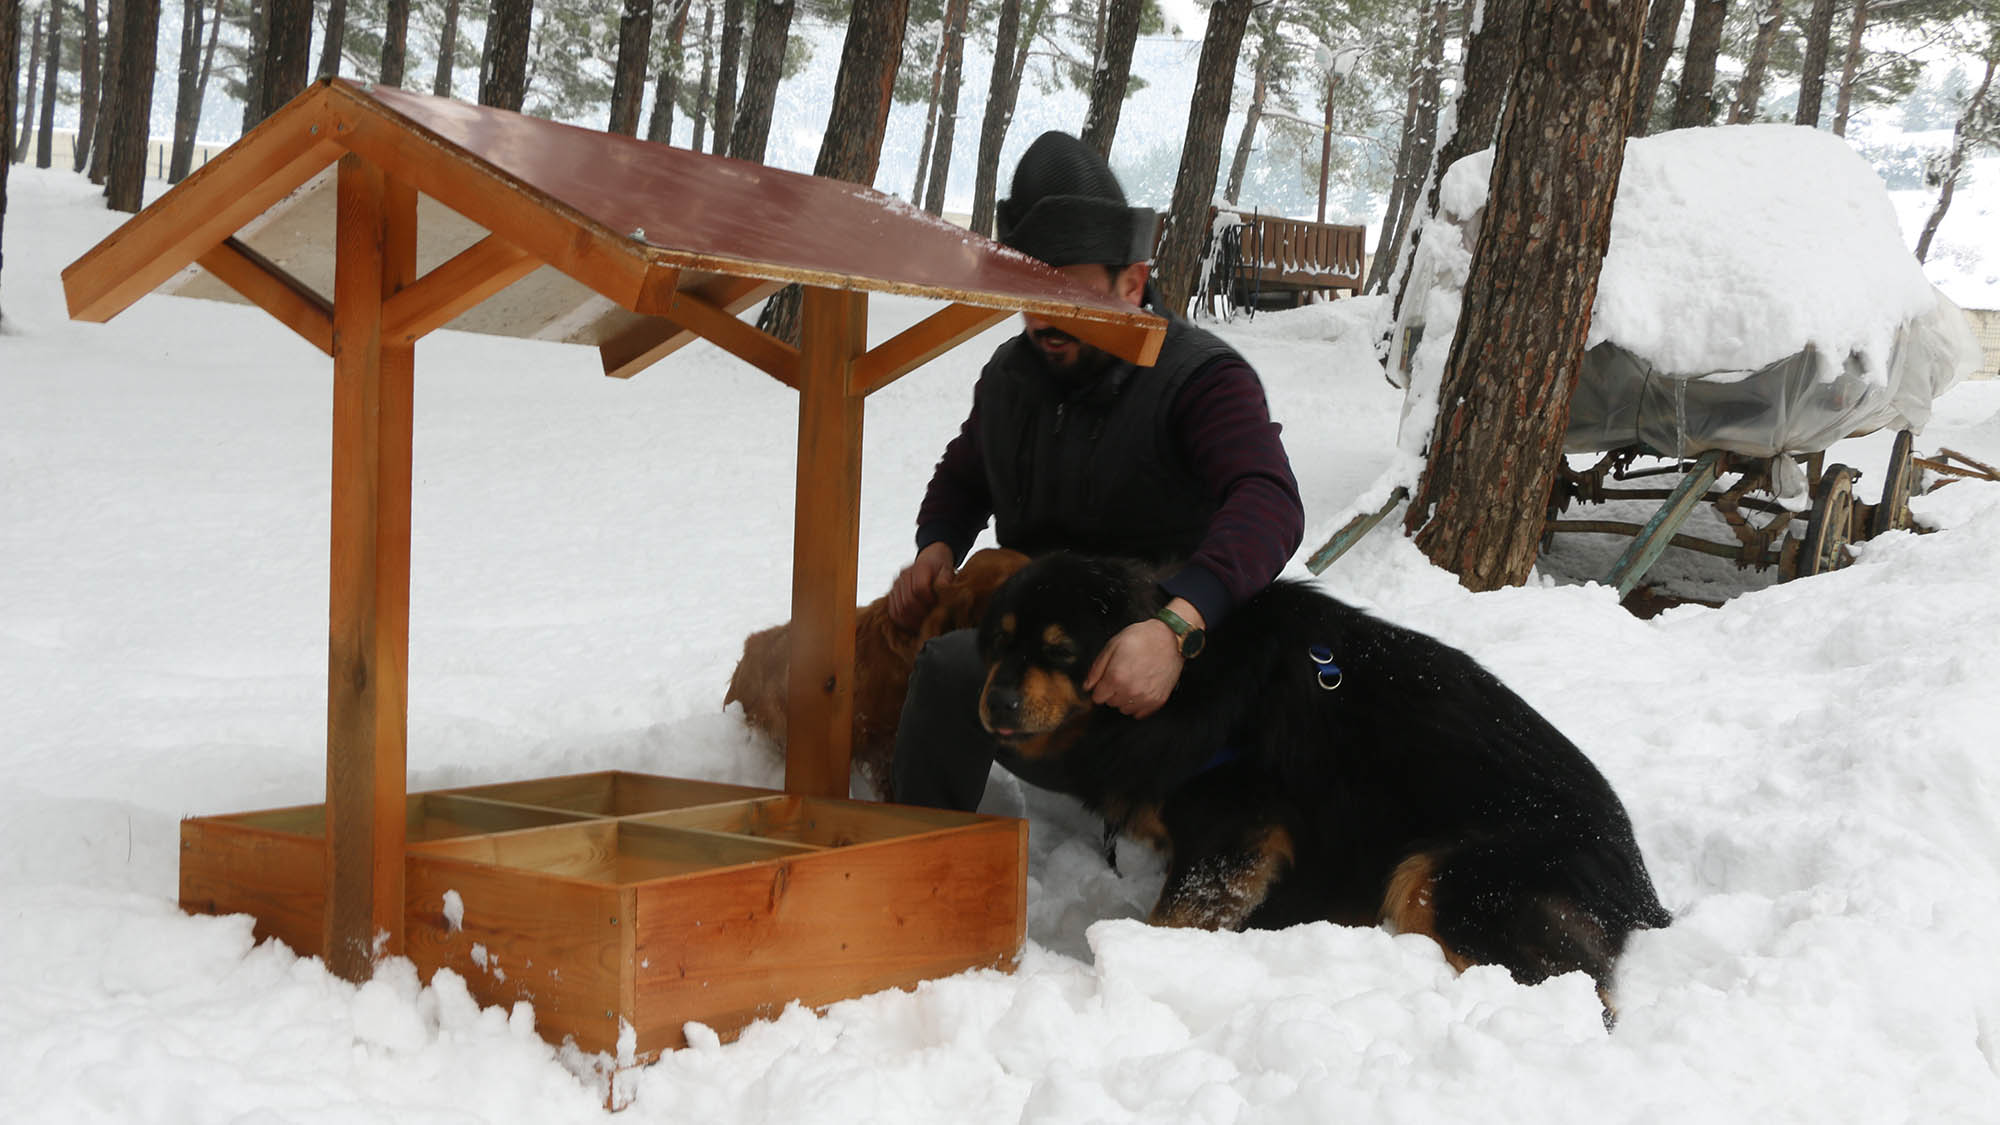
(1829, 265)
(1810, 768)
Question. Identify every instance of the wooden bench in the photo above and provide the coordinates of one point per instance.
(1265, 261)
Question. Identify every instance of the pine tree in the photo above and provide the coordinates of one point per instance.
(1750, 89)
(947, 109)
(395, 43)
(726, 74)
(90, 77)
(331, 43)
(1413, 162)
(1978, 124)
(132, 113)
(628, 76)
(23, 105)
(666, 91)
(1851, 65)
(1663, 24)
(287, 53)
(1812, 73)
(10, 53)
(761, 72)
(187, 90)
(1112, 74)
(1480, 506)
(46, 128)
(1014, 34)
(447, 55)
(1694, 103)
(1201, 151)
(503, 65)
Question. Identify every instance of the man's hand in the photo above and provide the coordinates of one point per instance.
(915, 589)
(1137, 671)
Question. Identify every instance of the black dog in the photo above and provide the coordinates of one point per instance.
(1316, 763)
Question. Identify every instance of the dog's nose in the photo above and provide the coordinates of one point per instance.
(1003, 705)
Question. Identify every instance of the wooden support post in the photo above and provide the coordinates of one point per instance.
(368, 639)
(833, 333)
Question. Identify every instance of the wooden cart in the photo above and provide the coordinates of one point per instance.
(618, 903)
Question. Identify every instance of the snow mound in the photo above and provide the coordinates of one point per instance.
(1768, 237)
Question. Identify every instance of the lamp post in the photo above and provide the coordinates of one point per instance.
(1336, 65)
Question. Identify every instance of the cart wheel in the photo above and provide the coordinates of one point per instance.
(1830, 525)
(1893, 513)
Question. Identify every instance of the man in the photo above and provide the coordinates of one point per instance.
(1067, 447)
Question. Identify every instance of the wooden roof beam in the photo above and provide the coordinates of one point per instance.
(270, 162)
(658, 337)
(474, 274)
(290, 301)
(920, 343)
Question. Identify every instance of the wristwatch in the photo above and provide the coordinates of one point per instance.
(1187, 638)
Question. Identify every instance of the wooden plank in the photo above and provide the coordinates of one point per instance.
(833, 331)
(1654, 538)
(290, 301)
(613, 793)
(1135, 343)
(556, 943)
(654, 339)
(268, 163)
(610, 262)
(276, 877)
(368, 633)
(739, 338)
(920, 343)
(1351, 532)
(474, 274)
(732, 946)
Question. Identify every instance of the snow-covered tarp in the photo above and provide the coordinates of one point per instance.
(1756, 296)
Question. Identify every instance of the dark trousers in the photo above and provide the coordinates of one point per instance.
(943, 754)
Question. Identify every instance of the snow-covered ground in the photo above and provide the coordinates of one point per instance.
(1812, 769)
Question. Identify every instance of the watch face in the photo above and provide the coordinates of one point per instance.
(1192, 642)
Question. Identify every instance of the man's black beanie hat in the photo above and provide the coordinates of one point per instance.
(1067, 208)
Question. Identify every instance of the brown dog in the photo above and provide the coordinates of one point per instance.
(884, 653)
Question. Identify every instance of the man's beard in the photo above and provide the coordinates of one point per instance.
(1082, 358)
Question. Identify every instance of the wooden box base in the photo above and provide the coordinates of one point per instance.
(615, 899)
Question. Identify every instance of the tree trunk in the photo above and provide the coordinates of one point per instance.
(45, 129)
(1113, 74)
(1663, 23)
(1201, 151)
(187, 111)
(253, 61)
(852, 149)
(931, 113)
(761, 72)
(1812, 72)
(726, 74)
(10, 53)
(628, 76)
(1751, 89)
(90, 86)
(1012, 39)
(132, 113)
(201, 82)
(1850, 65)
(1694, 104)
(1961, 143)
(1239, 165)
(1420, 124)
(1492, 54)
(336, 38)
(707, 74)
(108, 93)
(395, 42)
(667, 89)
(23, 81)
(287, 53)
(1481, 504)
(447, 50)
(947, 122)
(503, 64)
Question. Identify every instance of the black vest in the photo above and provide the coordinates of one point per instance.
(1093, 466)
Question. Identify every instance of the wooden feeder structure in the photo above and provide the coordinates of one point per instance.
(610, 900)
